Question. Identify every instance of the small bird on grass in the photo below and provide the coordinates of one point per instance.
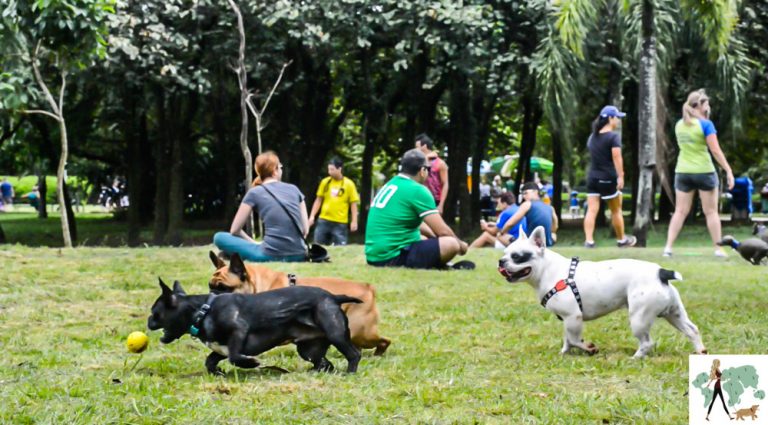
(752, 250)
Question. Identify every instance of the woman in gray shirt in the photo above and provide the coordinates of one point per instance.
(282, 239)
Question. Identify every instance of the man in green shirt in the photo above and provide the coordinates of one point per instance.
(392, 236)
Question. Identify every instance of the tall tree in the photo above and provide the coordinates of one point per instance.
(55, 38)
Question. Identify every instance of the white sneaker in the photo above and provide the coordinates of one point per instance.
(720, 253)
(667, 253)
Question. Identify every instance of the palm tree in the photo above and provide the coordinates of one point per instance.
(713, 20)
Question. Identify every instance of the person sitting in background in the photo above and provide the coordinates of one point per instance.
(490, 236)
(33, 197)
(392, 237)
(6, 188)
(280, 206)
(536, 212)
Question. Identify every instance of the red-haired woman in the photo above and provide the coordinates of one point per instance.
(282, 239)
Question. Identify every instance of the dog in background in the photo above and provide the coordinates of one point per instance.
(241, 278)
(760, 231)
(598, 288)
(752, 250)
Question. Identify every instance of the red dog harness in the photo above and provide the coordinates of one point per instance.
(562, 284)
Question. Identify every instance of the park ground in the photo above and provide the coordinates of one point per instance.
(468, 347)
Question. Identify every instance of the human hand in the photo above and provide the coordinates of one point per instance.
(353, 226)
(729, 178)
(620, 183)
(440, 209)
(311, 222)
(483, 224)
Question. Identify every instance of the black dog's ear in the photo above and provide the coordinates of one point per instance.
(217, 262)
(177, 289)
(167, 296)
(237, 266)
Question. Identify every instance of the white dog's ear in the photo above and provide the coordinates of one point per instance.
(521, 233)
(539, 237)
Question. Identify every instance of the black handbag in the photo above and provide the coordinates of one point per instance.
(315, 253)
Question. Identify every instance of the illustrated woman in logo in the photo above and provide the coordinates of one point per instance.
(714, 375)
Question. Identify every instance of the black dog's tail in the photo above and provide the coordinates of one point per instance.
(343, 299)
(666, 275)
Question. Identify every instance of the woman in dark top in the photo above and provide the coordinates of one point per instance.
(282, 239)
(606, 176)
(714, 375)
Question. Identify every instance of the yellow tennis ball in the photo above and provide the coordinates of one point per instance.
(137, 342)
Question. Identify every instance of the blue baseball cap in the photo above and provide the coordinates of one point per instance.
(612, 111)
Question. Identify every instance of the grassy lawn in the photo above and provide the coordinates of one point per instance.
(467, 346)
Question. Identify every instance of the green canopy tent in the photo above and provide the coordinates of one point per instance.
(505, 165)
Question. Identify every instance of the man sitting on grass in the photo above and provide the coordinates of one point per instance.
(536, 212)
(491, 236)
(392, 237)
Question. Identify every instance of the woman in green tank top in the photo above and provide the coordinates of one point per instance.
(697, 138)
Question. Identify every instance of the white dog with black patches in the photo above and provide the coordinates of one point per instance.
(578, 291)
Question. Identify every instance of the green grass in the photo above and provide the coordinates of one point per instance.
(467, 346)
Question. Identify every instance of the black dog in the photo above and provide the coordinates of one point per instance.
(238, 326)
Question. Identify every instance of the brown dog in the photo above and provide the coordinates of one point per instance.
(243, 278)
(752, 412)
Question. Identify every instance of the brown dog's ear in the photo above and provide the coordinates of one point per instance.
(167, 296)
(217, 262)
(237, 266)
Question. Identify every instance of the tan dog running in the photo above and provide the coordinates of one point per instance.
(243, 278)
(752, 411)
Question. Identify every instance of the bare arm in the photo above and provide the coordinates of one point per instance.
(714, 147)
(304, 219)
(241, 217)
(521, 212)
(425, 231)
(555, 221)
(315, 209)
(437, 225)
(618, 163)
(444, 191)
(353, 219)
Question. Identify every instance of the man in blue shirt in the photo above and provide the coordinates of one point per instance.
(506, 204)
(535, 211)
(6, 188)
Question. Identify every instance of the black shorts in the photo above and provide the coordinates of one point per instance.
(605, 188)
(419, 255)
(688, 182)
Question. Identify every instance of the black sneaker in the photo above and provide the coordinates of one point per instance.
(629, 241)
(589, 244)
(463, 265)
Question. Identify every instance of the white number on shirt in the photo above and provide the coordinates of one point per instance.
(384, 196)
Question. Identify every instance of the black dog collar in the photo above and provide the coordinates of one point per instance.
(197, 323)
(561, 285)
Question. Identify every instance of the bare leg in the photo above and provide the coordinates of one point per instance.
(709, 205)
(484, 239)
(449, 248)
(683, 201)
(593, 206)
(617, 218)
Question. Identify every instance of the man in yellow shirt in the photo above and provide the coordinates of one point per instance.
(336, 195)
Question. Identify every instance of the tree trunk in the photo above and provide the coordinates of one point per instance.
(647, 120)
(182, 144)
(71, 223)
(42, 187)
(60, 179)
(242, 81)
(463, 135)
(162, 169)
(135, 169)
(557, 173)
(531, 117)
